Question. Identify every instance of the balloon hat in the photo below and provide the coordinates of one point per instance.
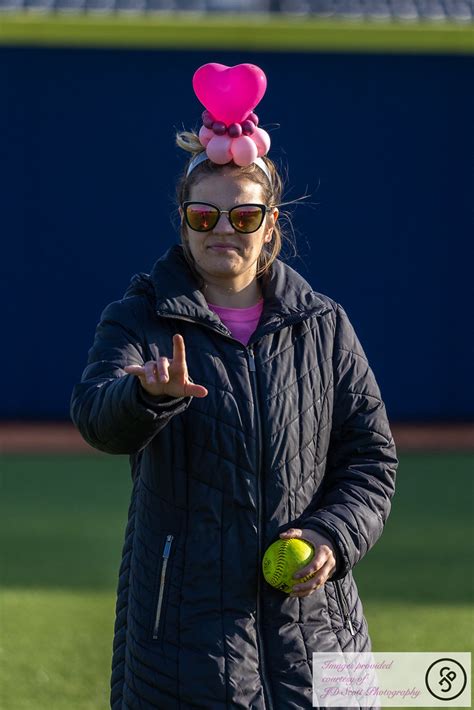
(230, 95)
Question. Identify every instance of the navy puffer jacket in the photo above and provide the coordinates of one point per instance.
(293, 432)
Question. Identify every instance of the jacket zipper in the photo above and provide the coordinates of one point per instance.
(159, 604)
(225, 332)
(253, 371)
(341, 597)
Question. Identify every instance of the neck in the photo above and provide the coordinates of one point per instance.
(232, 296)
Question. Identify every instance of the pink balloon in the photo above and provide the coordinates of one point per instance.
(229, 93)
(244, 150)
(218, 149)
(205, 135)
(262, 141)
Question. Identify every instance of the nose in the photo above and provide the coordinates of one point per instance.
(223, 225)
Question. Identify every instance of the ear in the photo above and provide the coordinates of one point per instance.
(273, 219)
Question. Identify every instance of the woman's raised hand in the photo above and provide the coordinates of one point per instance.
(168, 377)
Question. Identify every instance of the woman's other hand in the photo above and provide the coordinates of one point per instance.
(168, 377)
(324, 561)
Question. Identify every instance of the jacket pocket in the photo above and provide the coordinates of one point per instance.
(162, 588)
(343, 605)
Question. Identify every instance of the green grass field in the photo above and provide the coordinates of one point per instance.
(254, 33)
(62, 523)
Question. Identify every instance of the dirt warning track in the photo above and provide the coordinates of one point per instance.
(62, 437)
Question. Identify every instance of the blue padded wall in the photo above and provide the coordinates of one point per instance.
(382, 143)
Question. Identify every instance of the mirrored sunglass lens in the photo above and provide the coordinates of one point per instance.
(246, 218)
(201, 217)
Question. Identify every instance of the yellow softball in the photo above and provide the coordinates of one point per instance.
(281, 560)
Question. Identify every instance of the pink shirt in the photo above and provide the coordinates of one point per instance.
(240, 321)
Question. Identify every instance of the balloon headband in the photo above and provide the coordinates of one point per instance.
(201, 157)
(230, 128)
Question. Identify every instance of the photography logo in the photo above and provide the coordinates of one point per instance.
(446, 679)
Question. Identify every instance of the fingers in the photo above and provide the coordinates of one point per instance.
(304, 589)
(179, 352)
(169, 376)
(321, 565)
(320, 557)
(163, 369)
(292, 532)
(193, 390)
(151, 372)
(157, 371)
(134, 370)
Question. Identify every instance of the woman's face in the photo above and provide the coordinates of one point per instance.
(238, 262)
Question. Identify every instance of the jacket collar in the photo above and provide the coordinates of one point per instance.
(173, 287)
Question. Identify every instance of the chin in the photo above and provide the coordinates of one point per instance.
(225, 259)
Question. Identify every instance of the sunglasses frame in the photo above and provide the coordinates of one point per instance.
(185, 205)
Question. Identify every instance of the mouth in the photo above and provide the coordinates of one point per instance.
(223, 247)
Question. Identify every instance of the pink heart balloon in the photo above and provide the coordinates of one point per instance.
(229, 93)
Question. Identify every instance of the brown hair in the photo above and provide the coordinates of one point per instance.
(272, 196)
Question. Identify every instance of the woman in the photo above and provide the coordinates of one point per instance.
(249, 412)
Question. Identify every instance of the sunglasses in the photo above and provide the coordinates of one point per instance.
(202, 216)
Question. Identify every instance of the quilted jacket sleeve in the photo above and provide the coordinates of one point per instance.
(361, 467)
(109, 407)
